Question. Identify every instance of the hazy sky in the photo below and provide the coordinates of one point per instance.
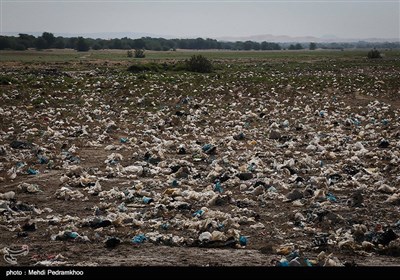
(345, 19)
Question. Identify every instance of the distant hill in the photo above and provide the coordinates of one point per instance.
(303, 39)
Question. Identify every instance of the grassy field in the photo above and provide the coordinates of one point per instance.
(315, 70)
(33, 56)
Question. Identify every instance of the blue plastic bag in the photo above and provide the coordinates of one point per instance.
(218, 187)
(138, 239)
(147, 200)
(198, 213)
(32, 171)
(243, 240)
(331, 197)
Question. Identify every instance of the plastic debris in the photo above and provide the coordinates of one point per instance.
(147, 200)
(198, 213)
(123, 140)
(383, 143)
(205, 236)
(28, 188)
(16, 144)
(243, 240)
(172, 158)
(138, 239)
(331, 197)
(32, 171)
(8, 195)
(218, 187)
(239, 136)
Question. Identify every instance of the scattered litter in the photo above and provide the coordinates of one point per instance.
(223, 160)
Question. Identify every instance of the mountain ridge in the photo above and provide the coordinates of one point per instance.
(301, 39)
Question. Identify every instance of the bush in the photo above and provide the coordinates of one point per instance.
(129, 53)
(179, 66)
(199, 63)
(148, 67)
(139, 53)
(6, 80)
(374, 54)
(201, 67)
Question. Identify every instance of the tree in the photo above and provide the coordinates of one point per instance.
(82, 45)
(239, 45)
(138, 44)
(97, 46)
(27, 40)
(4, 42)
(59, 43)
(270, 46)
(256, 46)
(19, 47)
(248, 45)
(298, 46)
(154, 45)
(49, 38)
(199, 43)
(71, 43)
(313, 46)
(116, 44)
(41, 43)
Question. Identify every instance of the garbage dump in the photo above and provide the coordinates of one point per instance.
(105, 161)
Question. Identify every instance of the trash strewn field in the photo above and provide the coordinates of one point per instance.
(285, 158)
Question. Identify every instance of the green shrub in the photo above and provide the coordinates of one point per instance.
(136, 68)
(147, 67)
(199, 63)
(179, 66)
(139, 53)
(129, 53)
(374, 54)
(186, 65)
(6, 80)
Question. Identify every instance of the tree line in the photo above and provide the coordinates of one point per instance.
(48, 40)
